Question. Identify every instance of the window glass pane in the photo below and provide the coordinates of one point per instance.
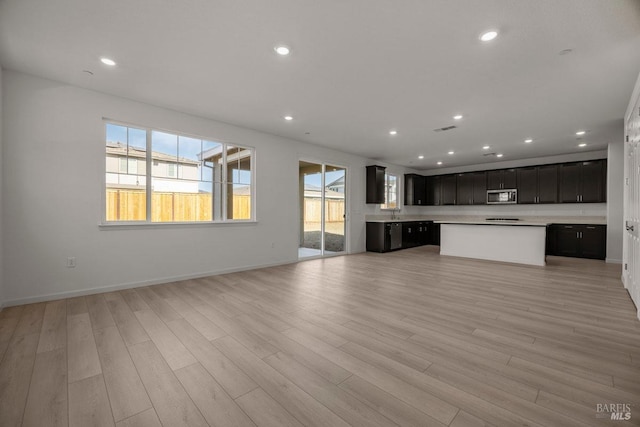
(164, 151)
(189, 151)
(390, 192)
(178, 193)
(238, 201)
(125, 174)
(238, 165)
(211, 161)
(191, 179)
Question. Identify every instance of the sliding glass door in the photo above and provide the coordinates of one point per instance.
(322, 209)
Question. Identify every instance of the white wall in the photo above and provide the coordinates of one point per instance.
(615, 195)
(53, 165)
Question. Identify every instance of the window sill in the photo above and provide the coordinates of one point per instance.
(142, 225)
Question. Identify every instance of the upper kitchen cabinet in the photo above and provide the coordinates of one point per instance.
(434, 190)
(537, 184)
(471, 188)
(415, 190)
(449, 190)
(583, 182)
(375, 184)
(501, 179)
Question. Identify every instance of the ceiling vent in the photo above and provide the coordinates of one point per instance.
(489, 154)
(444, 129)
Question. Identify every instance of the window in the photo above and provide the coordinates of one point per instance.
(160, 177)
(390, 192)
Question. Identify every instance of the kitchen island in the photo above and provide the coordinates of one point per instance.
(521, 242)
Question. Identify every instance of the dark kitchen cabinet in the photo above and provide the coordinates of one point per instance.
(479, 188)
(471, 188)
(383, 236)
(548, 184)
(375, 184)
(578, 240)
(594, 179)
(415, 233)
(464, 193)
(449, 190)
(434, 234)
(501, 179)
(582, 182)
(424, 233)
(537, 184)
(415, 190)
(434, 190)
(410, 234)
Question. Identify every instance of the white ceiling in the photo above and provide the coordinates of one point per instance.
(357, 69)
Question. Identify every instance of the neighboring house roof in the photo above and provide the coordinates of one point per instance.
(120, 149)
(337, 183)
(313, 191)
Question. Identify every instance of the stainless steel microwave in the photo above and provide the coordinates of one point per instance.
(502, 197)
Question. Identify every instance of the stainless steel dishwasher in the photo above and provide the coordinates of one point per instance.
(395, 235)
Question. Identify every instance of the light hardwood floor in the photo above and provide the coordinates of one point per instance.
(407, 338)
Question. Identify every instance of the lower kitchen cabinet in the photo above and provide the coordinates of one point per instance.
(577, 240)
(415, 234)
(383, 236)
(389, 236)
(434, 234)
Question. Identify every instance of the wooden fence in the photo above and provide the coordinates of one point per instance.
(130, 205)
(334, 209)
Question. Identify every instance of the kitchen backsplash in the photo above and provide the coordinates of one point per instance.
(558, 209)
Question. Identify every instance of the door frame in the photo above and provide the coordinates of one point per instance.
(347, 190)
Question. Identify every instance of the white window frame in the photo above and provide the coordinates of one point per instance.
(148, 190)
(384, 206)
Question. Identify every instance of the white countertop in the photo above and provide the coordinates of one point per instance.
(485, 222)
(523, 220)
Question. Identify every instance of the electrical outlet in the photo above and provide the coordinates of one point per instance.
(71, 262)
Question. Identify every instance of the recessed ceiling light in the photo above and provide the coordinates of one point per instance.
(108, 61)
(451, 152)
(288, 118)
(457, 117)
(489, 35)
(581, 132)
(528, 141)
(486, 147)
(439, 163)
(393, 132)
(282, 50)
(421, 157)
(499, 155)
(582, 145)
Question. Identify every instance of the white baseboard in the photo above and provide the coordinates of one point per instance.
(111, 288)
(613, 261)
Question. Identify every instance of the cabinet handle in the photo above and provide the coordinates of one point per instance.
(577, 234)
(577, 198)
(591, 228)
